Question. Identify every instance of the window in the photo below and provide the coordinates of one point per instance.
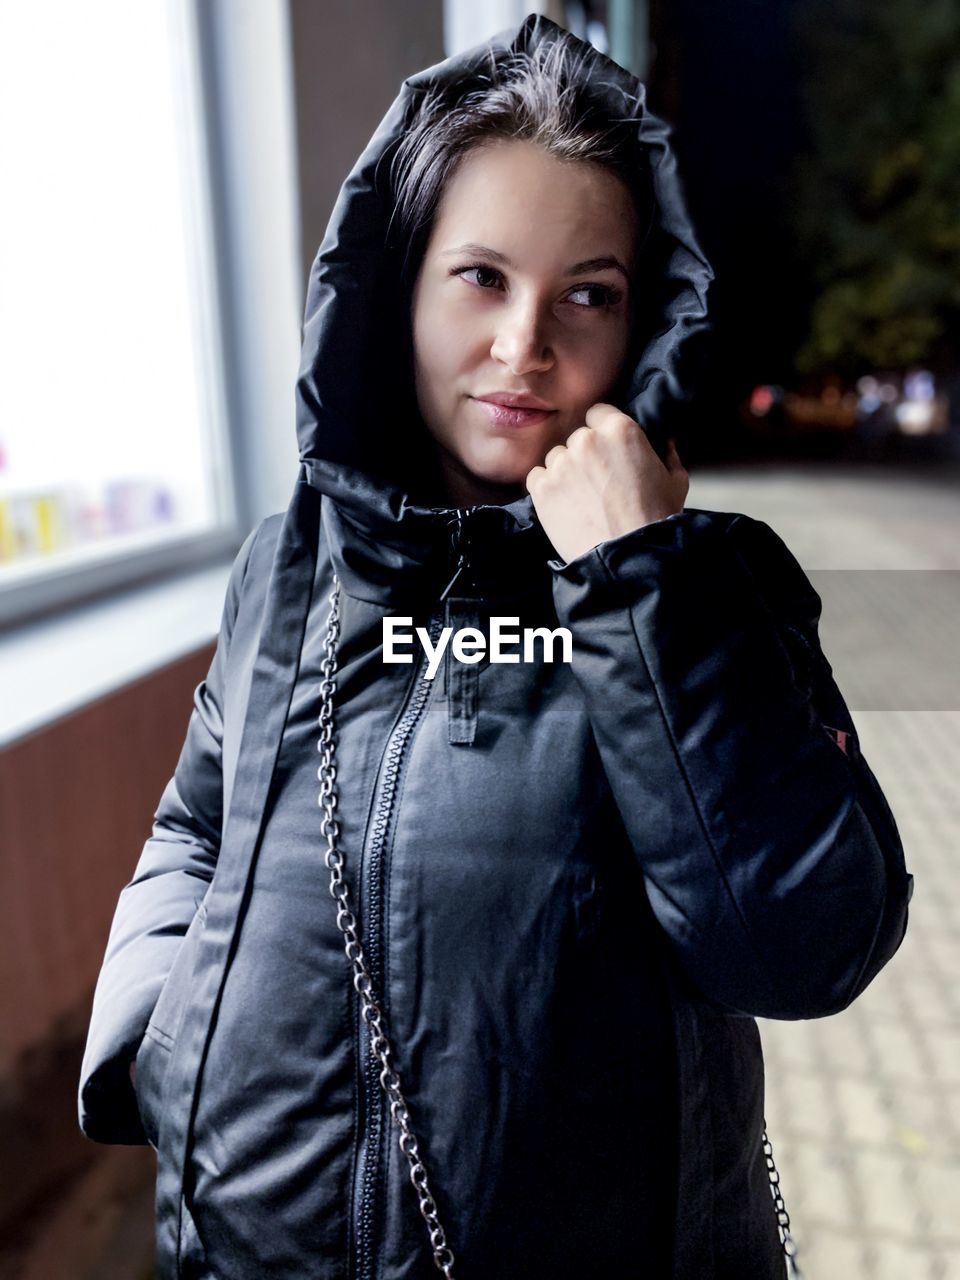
(113, 442)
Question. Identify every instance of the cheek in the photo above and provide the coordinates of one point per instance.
(600, 364)
(442, 349)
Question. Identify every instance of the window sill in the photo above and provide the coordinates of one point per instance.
(54, 667)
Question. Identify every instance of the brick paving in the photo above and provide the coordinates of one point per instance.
(863, 1109)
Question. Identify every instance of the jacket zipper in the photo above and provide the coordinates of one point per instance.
(372, 1109)
(458, 547)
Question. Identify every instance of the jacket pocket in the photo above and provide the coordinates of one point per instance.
(153, 1056)
(168, 1010)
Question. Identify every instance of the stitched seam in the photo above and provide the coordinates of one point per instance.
(159, 1037)
(243, 578)
(689, 787)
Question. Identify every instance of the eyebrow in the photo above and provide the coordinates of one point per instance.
(588, 264)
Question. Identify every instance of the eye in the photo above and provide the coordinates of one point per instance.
(603, 295)
(479, 267)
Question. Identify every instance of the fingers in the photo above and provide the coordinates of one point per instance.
(612, 423)
(606, 424)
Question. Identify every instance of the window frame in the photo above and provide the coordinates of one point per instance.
(235, 63)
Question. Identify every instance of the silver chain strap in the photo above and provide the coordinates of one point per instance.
(372, 1013)
(783, 1218)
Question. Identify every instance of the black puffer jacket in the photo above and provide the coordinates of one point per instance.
(577, 883)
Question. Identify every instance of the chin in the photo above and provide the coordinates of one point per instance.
(502, 482)
(501, 477)
(498, 470)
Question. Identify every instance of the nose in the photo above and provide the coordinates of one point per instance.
(520, 341)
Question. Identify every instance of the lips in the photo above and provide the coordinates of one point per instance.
(515, 399)
(513, 414)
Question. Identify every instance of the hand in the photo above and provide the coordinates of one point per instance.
(606, 480)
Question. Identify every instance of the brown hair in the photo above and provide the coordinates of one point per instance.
(542, 96)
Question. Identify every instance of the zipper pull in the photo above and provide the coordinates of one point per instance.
(457, 549)
(449, 587)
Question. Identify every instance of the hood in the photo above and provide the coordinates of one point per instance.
(361, 441)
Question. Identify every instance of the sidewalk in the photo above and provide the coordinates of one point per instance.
(863, 1109)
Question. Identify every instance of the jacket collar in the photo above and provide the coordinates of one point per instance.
(391, 551)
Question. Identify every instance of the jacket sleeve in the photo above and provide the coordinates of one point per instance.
(155, 909)
(770, 855)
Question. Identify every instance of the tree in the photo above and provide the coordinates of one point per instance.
(877, 189)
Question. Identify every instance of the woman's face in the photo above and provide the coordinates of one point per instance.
(524, 290)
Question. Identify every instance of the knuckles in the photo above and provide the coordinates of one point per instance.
(605, 427)
(580, 439)
(620, 430)
(608, 420)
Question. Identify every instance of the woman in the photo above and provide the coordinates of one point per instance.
(577, 882)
